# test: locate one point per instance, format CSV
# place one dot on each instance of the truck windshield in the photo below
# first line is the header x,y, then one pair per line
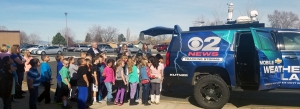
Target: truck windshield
x,y
291,41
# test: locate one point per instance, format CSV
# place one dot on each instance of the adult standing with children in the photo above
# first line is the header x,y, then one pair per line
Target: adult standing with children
x,y
20,64
146,50
125,49
94,50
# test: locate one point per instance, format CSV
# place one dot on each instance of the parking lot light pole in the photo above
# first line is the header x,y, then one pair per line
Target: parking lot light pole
x,y
67,29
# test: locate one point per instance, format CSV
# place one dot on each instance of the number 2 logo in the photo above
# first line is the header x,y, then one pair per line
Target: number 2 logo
x,y
196,43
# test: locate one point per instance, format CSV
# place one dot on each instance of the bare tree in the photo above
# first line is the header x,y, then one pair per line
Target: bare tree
x,y
3,28
68,33
96,33
110,34
283,19
34,38
24,38
128,34
161,38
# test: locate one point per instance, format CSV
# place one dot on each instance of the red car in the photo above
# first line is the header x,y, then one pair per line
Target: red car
x,y
163,48
154,47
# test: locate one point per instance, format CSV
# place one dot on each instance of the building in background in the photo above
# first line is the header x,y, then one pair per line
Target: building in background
x,y
10,37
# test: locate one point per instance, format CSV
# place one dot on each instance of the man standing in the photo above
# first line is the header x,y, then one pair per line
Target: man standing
x,y
94,50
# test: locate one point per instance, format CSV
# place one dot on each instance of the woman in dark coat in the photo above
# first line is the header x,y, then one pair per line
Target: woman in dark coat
x,y
6,83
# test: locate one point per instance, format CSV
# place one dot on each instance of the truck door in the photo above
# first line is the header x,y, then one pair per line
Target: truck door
x,y
269,57
290,49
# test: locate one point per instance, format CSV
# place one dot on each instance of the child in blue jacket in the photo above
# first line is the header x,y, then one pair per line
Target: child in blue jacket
x,y
45,79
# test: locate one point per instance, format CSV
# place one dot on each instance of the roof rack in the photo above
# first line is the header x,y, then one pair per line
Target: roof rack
x,y
233,26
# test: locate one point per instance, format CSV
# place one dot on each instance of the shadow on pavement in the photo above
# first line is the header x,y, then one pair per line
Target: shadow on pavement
x,y
240,99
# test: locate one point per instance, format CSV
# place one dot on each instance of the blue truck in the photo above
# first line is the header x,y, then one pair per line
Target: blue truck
x,y
223,58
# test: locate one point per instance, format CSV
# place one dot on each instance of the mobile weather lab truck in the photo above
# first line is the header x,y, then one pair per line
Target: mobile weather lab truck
x,y
241,54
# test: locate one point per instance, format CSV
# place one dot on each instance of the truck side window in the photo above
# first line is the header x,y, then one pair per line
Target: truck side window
x,y
266,40
291,41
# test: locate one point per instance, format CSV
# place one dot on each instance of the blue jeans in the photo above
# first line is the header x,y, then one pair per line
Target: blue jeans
x,y
58,92
82,97
138,91
101,86
146,90
33,97
109,90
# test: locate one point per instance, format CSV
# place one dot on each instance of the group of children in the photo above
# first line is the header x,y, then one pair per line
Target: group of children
x,y
91,78
80,82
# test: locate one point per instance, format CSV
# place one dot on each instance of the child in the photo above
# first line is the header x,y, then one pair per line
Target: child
x,y
126,53
109,75
95,72
59,65
138,94
90,79
145,79
33,81
156,71
73,75
83,55
125,68
6,82
104,57
133,79
89,58
65,84
161,60
82,83
101,84
27,57
45,79
120,82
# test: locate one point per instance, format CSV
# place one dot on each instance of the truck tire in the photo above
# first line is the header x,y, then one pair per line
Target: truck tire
x,y
211,92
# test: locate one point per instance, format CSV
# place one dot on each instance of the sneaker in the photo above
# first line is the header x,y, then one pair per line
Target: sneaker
x,y
120,104
14,100
23,92
60,103
116,103
67,107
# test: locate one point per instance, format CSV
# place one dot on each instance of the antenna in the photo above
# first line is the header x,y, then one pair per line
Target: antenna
x,y
253,15
230,11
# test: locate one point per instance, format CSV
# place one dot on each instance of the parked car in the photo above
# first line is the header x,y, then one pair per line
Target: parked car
x,y
134,49
108,49
25,47
155,46
100,46
163,48
118,49
49,50
72,47
35,48
81,47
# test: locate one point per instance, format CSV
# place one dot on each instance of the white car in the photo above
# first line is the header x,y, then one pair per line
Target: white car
x,y
50,50
34,48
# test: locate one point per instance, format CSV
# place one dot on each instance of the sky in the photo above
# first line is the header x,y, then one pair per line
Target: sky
x,y
46,17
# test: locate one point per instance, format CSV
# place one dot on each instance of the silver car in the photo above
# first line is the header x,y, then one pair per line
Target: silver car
x,y
81,48
33,49
134,49
50,50
108,49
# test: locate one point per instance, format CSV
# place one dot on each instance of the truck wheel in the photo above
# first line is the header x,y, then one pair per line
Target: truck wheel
x,y
211,92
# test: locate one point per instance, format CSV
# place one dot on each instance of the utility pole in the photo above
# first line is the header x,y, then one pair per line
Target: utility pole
x,y
67,37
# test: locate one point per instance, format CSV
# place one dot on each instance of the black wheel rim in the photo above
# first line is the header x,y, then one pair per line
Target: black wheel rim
x,y
211,93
